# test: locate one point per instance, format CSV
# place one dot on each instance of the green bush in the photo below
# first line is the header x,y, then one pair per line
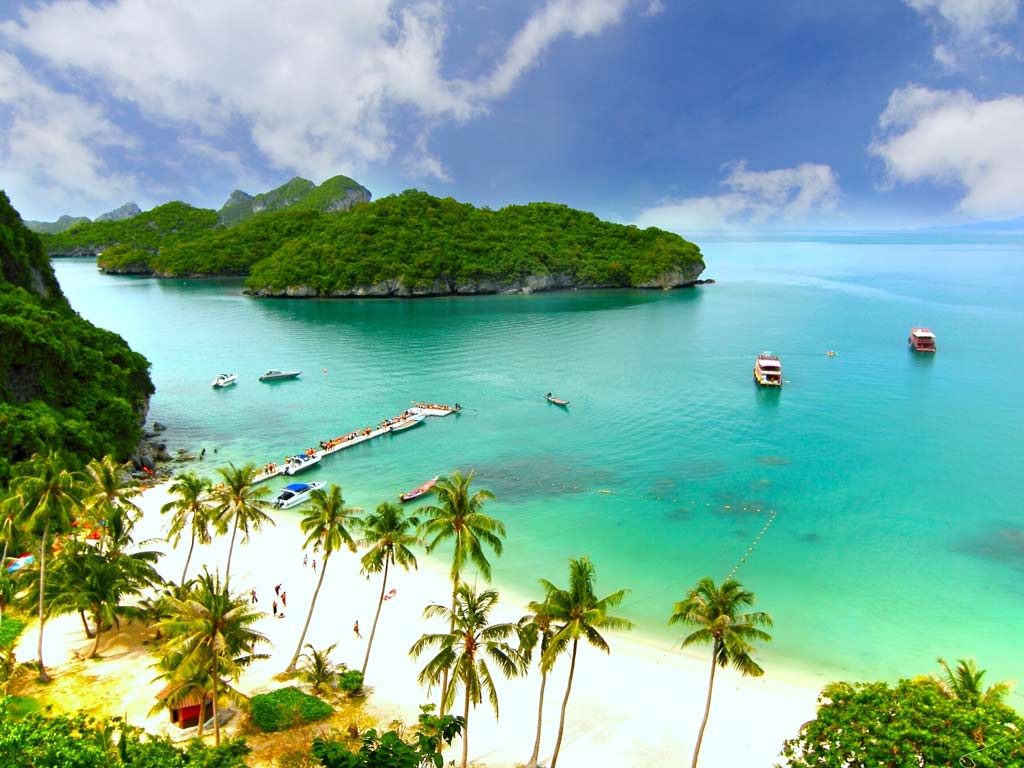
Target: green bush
x,y
286,708
350,680
9,631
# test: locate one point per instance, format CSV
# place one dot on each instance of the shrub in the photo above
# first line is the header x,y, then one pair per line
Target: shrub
x,y
350,681
286,708
9,631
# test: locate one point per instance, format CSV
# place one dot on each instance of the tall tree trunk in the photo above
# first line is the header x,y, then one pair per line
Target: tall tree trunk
x,y
96,645
451,628
465,730
202,714
216,720
305,627
532,763
3,559
707,707
43,677
231,550
189,558
565,702
376,616
85,625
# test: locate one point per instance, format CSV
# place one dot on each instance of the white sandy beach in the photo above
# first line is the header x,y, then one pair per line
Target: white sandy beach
x,y
640,706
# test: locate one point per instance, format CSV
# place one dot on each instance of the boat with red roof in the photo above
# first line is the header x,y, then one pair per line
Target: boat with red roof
x,y
922,340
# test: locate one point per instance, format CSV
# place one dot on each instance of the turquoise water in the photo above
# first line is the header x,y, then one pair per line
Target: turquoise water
x,y
896,479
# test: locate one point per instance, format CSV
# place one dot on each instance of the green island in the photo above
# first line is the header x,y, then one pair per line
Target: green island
x,y
64,383
411,244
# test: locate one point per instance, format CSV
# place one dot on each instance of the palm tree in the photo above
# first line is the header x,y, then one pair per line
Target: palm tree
x,y
108,487
324,526
465,650
191,511
241,503
388,534
537,627
579,614
458,516
210,637
46,498
7,534
318,670
964,683
718,614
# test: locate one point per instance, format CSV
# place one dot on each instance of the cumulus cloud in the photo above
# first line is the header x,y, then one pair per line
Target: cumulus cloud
x,y
966,28
320,86
753,198
950,137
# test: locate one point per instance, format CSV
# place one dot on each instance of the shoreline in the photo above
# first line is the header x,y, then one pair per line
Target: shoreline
x,y
642,704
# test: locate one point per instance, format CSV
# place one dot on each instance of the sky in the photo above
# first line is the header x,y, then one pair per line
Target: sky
x,y
721,116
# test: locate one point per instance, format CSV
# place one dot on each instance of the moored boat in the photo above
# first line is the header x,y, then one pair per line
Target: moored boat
x,y
274,374
768,370
415,493
556,400
436,409
921,340
224,380
410,421
295,493
300,462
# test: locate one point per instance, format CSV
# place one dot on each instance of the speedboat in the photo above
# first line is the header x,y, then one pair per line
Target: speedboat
x,y
556,400
768,370
922,340
411,421
300,462
417,492
224,380
436,409
295,493
273,374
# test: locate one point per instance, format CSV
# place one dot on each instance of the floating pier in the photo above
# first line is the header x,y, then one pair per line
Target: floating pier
x,y
312,456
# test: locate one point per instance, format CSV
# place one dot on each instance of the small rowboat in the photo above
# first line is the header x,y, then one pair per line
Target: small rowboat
x,y
417,492
556,400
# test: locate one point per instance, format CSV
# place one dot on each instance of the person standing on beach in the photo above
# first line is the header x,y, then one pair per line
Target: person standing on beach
x,y
314,566
252,596
277,589
305,560
273,607
284,599
355,628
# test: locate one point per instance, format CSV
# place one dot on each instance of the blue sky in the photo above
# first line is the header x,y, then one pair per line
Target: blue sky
x,y
728,116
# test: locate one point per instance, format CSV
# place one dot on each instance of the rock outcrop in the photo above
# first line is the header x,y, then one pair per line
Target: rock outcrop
x,y
126,211
338,193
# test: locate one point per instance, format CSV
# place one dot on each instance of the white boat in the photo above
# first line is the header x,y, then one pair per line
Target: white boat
x,y
273,374
224,380
295,493
768,370
300,462
435,409
411,421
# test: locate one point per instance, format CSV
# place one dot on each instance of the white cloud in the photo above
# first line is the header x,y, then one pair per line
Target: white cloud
x,y
321,86
755,198
966,28
949,137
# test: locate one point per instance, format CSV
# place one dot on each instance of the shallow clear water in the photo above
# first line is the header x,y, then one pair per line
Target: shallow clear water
x,y
897,478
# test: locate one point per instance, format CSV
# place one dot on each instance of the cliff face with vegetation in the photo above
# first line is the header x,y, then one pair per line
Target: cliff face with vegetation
x,y
64,383
336,194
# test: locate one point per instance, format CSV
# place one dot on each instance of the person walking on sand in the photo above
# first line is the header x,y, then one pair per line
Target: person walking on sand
x,y
355,628
284,599
277,589
252,597
273,607
314,566
305,560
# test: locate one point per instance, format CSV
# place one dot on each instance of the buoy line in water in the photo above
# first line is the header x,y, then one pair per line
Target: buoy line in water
x,y
752,546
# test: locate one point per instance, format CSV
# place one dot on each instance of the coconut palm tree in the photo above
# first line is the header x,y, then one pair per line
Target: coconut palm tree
x,y
536,628
578,613
191,511
210,637
466,649
324,526
458,516
717,612
388,534
239,503
964,683
108,487
317,669
45,498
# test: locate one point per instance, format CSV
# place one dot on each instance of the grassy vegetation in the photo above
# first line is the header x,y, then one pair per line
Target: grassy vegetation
x,y
10,630
285,708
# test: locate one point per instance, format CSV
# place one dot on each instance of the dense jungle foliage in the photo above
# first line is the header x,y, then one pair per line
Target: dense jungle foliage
x,y
64,383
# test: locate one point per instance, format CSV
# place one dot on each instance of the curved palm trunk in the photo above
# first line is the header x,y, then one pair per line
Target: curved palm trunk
x,y
451,628
96,644
216,720
189,558
305,627
532,763
231,550
376,616
42,588
85,625
465,731
202,714
565,703
707,708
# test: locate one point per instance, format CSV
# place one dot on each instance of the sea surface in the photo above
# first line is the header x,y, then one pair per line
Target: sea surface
x,y
894,481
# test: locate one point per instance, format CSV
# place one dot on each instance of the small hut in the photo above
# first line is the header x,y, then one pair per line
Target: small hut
x,y
185,705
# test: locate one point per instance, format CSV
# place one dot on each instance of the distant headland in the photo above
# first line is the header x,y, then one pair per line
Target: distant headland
x,y
301,240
